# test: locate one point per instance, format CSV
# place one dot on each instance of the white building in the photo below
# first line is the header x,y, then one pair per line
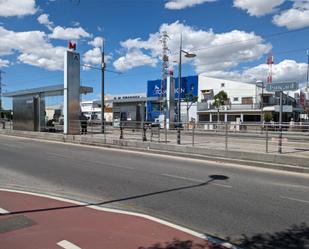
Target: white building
x,y
243,102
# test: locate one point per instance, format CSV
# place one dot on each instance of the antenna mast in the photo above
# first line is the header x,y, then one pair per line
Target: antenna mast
x,y
165,66
270,62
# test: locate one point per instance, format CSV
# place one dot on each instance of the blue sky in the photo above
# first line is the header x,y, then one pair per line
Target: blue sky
x,y
231,38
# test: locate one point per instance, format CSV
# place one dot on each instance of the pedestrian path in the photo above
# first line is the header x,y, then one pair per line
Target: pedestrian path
x,y
31,221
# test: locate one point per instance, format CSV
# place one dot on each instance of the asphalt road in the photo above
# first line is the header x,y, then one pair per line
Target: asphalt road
x,y
245,201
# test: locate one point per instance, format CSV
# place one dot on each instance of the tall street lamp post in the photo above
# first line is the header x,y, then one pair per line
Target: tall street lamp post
x,y
188,55
102,93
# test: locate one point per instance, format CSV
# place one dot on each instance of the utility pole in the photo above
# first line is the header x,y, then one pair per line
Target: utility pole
x,y
307,69
1,84
179,91
102,89
165,66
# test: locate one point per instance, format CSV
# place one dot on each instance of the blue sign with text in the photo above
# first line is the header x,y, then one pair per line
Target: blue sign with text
x,y
157,88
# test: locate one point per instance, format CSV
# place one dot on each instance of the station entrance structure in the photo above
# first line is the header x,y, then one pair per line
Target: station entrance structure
x,y
29,105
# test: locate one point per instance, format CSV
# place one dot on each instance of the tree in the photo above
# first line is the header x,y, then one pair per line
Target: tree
x,y
192,99
268,116
219,100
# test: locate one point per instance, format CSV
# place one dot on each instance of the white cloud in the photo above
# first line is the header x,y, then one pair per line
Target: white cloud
x,y
33,48
17,7
93,56
4,63
97,42
182,4
69,33
294,18
44,19
286,70
133,59
214,51
258,7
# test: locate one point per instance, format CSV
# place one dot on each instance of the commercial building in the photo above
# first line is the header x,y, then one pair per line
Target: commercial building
x,y
245,102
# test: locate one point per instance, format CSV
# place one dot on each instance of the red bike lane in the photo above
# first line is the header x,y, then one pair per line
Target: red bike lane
x,y
30,221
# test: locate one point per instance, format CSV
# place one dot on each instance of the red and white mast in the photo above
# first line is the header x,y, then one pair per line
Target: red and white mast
x,y
270,62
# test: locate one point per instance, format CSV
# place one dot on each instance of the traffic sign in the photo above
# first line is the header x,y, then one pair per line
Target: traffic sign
x,y
281,87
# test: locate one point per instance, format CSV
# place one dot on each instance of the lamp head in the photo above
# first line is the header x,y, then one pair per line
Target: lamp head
x,y
190,55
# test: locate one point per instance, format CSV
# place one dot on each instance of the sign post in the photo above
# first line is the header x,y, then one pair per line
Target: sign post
x,y
280,124
280,87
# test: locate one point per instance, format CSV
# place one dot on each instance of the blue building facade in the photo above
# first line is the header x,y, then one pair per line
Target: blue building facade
x,y
157,89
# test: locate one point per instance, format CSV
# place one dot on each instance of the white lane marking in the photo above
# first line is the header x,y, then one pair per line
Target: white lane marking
x,y
221,185
196,180
294,199
67,245
91,161
183,178
290,185
112,165
3,211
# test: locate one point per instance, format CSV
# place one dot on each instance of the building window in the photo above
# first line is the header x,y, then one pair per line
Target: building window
x,y
222,84
235,99
247,100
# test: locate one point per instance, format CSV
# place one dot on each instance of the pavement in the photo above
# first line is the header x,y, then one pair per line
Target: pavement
x,y
214,198
31,221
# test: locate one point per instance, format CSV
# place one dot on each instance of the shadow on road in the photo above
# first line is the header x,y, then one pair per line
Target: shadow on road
x,y
211,179
295,237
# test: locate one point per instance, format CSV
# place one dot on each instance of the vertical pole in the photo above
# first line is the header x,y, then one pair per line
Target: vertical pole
x,y
280,124
1,72
193,129
102,89
165,131
266,138
308,70
179,90
262,103
226,136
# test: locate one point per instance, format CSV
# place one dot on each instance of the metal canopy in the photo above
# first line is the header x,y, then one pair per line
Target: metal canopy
x,y
54,90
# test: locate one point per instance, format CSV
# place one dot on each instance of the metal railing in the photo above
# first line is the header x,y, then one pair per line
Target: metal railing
x,y
289,138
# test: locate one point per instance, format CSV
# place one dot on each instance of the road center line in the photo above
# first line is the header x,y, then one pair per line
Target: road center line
x,y
183,178
294,199
91,161
3,211
196,180
221,185
67,245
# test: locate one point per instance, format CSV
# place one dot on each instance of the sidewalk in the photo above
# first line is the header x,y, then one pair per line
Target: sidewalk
x,y
37,222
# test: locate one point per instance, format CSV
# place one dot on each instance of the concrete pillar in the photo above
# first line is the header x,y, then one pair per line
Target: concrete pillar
x,y
71,107
210,118
242,117
225,117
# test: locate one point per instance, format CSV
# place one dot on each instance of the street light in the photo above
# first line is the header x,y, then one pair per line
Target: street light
x,y
188,55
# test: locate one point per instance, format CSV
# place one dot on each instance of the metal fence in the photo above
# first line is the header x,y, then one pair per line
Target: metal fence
x,y
255,137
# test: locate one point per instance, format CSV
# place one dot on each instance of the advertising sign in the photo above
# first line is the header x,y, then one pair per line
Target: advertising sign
x,y
155,88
